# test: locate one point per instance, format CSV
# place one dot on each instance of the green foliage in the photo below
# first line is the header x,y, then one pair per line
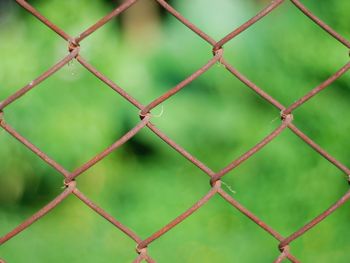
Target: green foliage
x,y
145,184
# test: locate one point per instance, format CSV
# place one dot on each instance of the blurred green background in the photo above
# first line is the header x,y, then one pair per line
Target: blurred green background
x,y
145,184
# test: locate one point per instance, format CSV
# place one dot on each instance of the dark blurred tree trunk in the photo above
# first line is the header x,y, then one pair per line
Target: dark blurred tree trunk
x,y
141,23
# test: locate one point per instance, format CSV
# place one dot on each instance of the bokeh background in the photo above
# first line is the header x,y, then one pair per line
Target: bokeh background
x,y
145,184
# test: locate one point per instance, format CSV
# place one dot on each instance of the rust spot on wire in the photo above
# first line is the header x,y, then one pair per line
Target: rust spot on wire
x,y
1,117
286,114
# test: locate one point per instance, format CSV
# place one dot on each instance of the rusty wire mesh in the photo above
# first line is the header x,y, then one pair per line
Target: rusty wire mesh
x,y
146,116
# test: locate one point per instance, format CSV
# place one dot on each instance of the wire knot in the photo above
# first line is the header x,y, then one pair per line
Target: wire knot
x,y
72,45
286,116
283,247
142,250
217,48
218,51
142,115
68,184
215,181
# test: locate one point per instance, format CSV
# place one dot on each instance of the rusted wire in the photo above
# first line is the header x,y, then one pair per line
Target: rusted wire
x,y
73,43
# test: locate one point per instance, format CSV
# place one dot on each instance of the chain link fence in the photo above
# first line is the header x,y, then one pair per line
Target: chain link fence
x,y
145,114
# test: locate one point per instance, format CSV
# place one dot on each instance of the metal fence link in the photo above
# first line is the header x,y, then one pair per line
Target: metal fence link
x,y
145,115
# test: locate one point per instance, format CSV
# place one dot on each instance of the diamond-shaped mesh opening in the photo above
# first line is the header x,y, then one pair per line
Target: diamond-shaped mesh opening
x,y
329,127
291,58
28,185
154,66
190,243
135,187
317,242
278,179
111,243
79,101
216,97
34,58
